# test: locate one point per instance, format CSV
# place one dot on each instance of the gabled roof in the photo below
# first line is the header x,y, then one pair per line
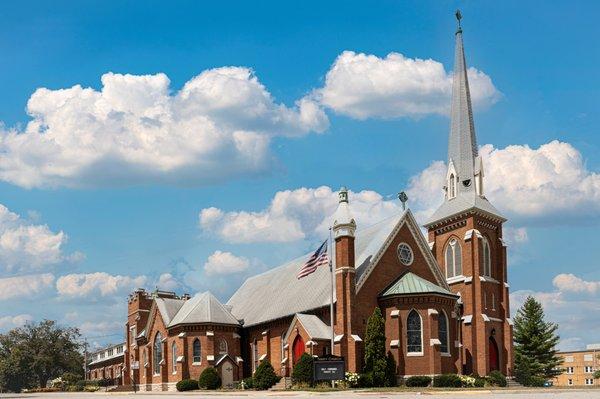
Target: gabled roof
x,y
314,327
410,284
278,293
203,308
168,308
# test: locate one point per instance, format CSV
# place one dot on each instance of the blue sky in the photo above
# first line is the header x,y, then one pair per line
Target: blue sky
x,y
142,216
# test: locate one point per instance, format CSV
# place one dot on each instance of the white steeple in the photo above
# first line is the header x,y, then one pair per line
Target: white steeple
x,y
343,222
464,179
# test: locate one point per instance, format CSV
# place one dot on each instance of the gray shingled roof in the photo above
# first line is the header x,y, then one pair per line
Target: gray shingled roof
x,y
409,284
314,326
168,308
461,203
203,308
278,293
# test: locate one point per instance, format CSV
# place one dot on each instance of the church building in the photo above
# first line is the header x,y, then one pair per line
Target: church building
x,y
444,296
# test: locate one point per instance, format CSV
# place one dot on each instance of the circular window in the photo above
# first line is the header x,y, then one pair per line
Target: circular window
x,y
405,254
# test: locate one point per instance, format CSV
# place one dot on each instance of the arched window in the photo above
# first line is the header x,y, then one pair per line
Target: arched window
x,y
451,186
158,355
443,332
197,351
222,346
174,356
453,259
414,336
486,258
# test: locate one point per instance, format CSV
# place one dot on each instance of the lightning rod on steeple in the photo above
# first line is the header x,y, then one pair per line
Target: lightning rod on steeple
x,y
458,17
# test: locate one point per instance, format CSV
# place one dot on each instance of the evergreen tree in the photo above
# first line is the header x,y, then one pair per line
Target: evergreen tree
x,y
375,359
264,376
535,343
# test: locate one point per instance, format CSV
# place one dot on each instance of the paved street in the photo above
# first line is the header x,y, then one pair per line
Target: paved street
x,y
542,394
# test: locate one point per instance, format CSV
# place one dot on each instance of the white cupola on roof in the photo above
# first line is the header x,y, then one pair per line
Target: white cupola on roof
x,y
343,221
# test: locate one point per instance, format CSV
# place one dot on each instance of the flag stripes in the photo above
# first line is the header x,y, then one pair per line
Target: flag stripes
x,y
319,258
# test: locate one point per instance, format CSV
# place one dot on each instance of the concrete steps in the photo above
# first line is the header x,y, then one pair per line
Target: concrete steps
x,y
282,385
511,383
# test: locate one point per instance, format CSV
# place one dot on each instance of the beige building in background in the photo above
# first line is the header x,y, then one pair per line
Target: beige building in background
x,y
579,367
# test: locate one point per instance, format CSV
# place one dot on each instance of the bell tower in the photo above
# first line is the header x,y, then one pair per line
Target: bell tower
x,y
465,234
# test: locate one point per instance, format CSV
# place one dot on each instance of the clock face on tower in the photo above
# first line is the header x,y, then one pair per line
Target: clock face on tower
x,y
405,254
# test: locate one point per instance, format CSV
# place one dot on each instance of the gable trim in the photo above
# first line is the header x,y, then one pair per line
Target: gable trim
x,y
408,219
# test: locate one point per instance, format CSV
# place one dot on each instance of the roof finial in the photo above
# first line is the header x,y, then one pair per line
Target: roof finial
x,y
458,18
403,198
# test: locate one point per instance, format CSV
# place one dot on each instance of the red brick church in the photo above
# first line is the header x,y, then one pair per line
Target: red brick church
x,y
444,297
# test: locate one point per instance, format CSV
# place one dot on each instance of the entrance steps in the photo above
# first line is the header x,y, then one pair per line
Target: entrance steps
x,y
512,383
282,385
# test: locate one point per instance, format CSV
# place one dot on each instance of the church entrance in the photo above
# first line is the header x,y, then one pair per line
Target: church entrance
x,y
493,358
297,349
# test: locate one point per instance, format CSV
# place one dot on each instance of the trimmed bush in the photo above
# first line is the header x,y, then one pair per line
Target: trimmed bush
x,y
104,382
479,382
497,379
187,385
391,380
209,379
264,376
418,381
303,370
447,381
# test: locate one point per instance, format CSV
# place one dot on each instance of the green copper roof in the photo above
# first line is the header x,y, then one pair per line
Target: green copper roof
x,y
410,283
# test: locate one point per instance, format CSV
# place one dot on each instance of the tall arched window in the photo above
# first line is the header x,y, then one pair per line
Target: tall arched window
x,y
174,356
453,259
443,332
282,346
222,346
414,335
254,356
486,258
197,351
158,355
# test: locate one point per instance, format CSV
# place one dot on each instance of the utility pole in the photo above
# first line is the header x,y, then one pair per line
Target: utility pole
x,y
85,361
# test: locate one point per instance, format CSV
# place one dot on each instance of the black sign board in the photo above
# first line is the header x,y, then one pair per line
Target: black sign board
x,y
329,368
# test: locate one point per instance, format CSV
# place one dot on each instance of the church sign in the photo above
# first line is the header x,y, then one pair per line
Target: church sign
x,y
329,368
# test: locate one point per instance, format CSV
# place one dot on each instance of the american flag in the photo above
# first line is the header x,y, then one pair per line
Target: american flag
x,y
319,258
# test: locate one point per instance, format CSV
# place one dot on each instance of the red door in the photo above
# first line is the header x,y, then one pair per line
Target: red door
x,y
493,355
297,349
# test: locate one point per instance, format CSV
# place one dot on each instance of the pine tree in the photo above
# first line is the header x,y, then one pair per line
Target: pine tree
x,y
375,359
535,344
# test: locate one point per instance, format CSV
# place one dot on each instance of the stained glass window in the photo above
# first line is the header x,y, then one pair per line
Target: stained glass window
x,y
413,333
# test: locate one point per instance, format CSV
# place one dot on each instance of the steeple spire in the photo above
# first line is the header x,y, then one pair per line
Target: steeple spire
x,y
464,180
462,145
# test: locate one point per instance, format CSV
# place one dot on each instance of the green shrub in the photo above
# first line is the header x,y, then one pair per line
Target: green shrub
x,y
391,380
447,381
365,380
497,379
479,382
209,379
264,376
418,381
597,374
303,370
187,385
104,382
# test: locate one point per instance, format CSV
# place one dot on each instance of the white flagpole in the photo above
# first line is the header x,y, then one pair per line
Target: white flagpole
x,y
331,303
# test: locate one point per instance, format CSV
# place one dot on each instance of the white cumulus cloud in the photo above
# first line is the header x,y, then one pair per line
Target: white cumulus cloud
x,y
8,322
294,215
134,130
548,183
99,284
225,263
367,86
27,247
568,282
24,287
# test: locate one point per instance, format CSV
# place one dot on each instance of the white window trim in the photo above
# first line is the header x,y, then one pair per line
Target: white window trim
x,y
452,245
487,266
193,362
